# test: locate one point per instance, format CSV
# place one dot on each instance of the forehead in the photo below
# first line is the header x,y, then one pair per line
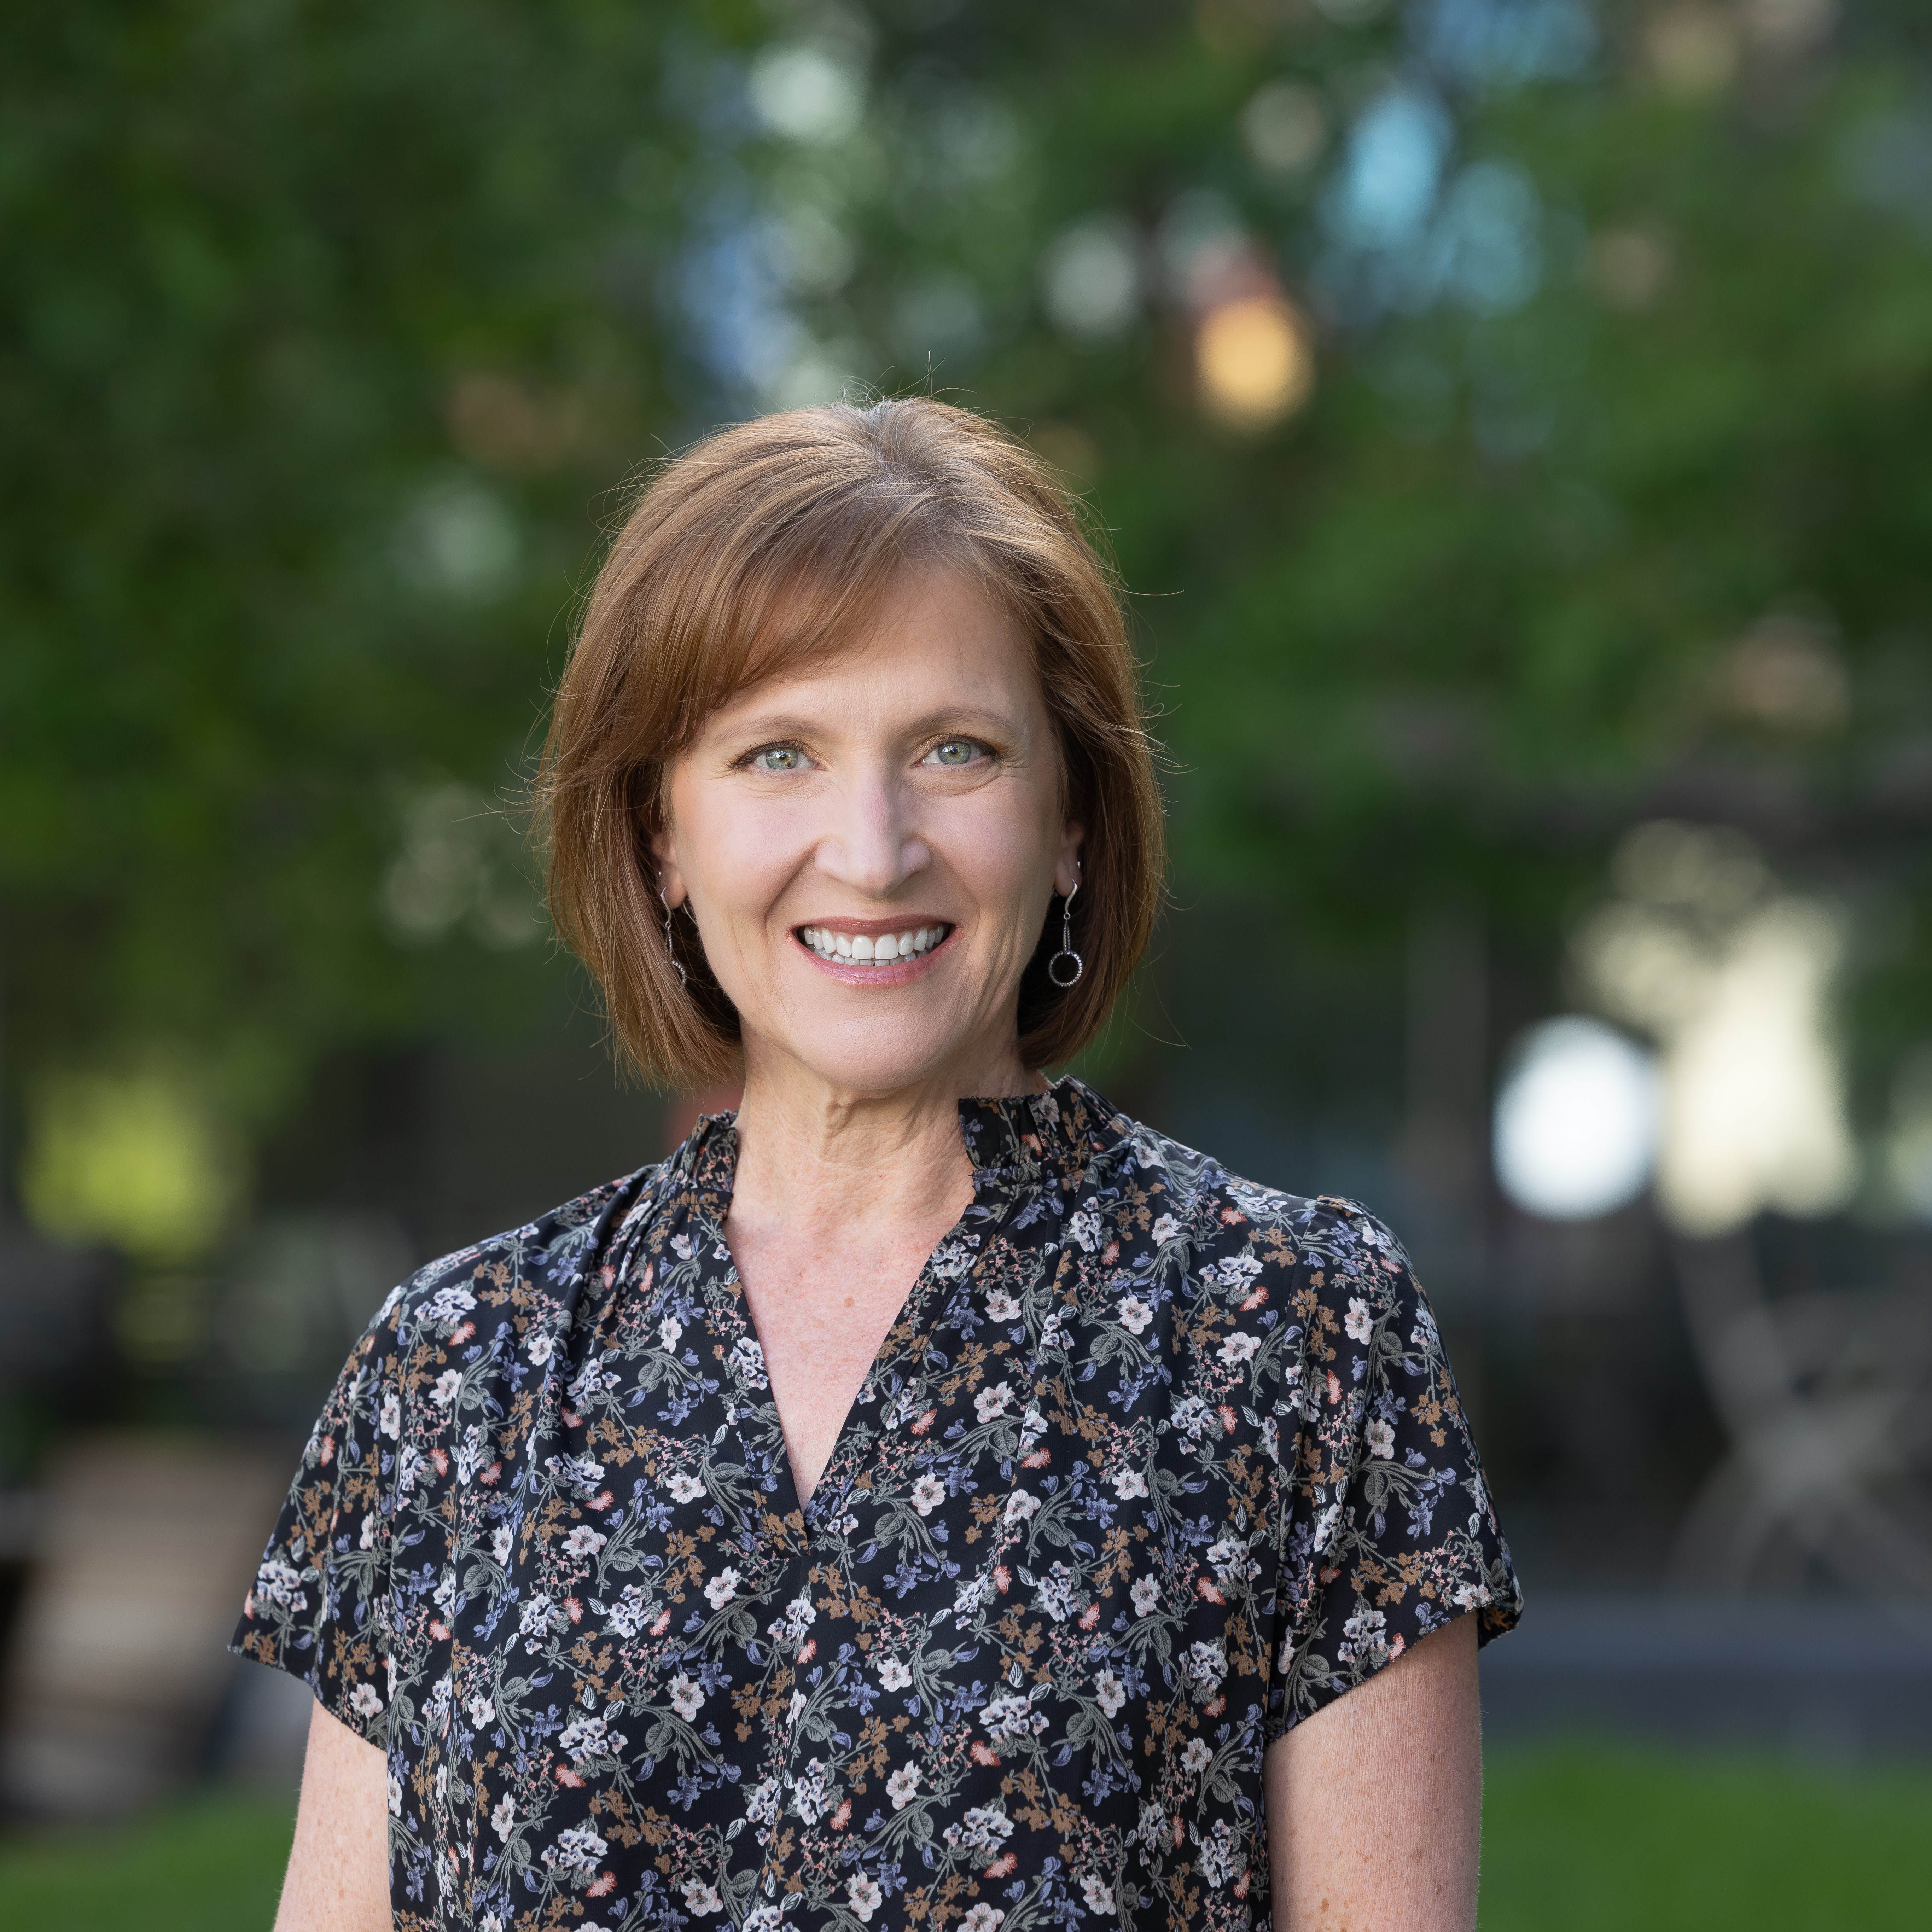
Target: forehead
x,y
936,640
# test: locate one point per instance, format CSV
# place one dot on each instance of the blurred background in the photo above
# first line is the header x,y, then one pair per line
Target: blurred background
x,y
1512,418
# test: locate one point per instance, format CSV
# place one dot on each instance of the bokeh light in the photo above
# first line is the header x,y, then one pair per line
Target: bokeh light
x,y
1575,1130
1254,361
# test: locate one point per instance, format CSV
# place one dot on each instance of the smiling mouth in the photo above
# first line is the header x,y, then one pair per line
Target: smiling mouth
x,y
866,948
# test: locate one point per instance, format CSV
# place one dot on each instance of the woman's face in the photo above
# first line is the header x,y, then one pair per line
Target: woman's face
x,y
870,848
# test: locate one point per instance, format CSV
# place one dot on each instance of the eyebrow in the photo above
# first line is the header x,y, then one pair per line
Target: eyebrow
x,y
964,717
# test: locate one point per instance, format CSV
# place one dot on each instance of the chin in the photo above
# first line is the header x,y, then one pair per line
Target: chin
x,y
875,1059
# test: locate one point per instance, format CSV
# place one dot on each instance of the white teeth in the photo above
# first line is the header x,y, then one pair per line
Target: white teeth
x,y
887,947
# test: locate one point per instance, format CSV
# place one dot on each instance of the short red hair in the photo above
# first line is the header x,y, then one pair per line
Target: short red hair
x,y
769,543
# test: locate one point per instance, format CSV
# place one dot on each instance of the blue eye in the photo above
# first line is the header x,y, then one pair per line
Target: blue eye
x,y
778,758
955,752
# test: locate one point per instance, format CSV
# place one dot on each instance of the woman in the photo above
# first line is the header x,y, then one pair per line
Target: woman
x,y
929,1497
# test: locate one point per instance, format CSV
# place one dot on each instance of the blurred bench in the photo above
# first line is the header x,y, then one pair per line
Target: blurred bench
x,y
117,1667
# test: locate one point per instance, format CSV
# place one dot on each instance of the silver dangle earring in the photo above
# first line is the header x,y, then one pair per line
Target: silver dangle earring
x,y
1064,975
670,944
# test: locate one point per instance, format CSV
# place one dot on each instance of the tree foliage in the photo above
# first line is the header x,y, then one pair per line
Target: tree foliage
x,y
328,336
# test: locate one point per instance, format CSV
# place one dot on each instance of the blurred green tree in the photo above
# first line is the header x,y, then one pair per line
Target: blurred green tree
x,y
1509,413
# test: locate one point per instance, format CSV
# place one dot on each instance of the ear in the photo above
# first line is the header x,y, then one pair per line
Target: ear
x,y
671,886
1067,868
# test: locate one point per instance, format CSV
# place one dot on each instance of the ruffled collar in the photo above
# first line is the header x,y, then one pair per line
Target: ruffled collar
x,y
1024,1139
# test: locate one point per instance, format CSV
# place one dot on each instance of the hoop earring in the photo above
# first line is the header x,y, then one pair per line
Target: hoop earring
x,y
1060,976
670,944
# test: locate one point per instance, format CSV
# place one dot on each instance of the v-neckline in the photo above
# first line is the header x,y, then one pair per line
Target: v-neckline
x,y
715,1209
714,1172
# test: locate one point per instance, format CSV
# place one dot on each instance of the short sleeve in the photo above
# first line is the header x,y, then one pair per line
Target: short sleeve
x,y
1385,1530
318,1607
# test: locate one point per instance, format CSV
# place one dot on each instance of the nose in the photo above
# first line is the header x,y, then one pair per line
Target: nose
x,y
873,847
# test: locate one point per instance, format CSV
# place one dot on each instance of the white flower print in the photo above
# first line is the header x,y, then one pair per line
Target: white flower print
x,y
1021,1506
447,1383
1239,1347
1135,1314
994,1402
588,1737
761,1801
1153,1826
1193,1417
1197,1757
1359,1325
895,1673
1380,1436
928,1493
501,1820
684,1487
540,1347
535,1617
1233,1565
1363,1633
982,1918
1058,1593
686,1698
481,1711
576,1850
1221,1859
366,1701
1166,1229
280,1584
982,1829
701,1899
1096,1894
863,1895
448,1306
371,1528
799,1615
722,1588
1129,1484
1236,1271
669,1330
584,1541
1084,1228
747,1362
628,1612
1008,1718
391,1422
1206,1665
1001,1306
1144,1594
764,1918
1110,1692
396,1803
501,1541
902,1785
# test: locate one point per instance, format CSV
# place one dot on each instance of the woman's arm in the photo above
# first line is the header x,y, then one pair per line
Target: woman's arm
x,y
338,1877
1374,1803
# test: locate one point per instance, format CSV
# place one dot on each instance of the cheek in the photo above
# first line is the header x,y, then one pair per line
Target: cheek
x,y
1005,854
733,855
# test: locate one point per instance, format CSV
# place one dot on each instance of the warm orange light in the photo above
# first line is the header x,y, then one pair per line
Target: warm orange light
x,y
1254,361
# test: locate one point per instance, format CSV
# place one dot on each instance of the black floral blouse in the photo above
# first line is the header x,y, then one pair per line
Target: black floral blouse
x,y
1153,1464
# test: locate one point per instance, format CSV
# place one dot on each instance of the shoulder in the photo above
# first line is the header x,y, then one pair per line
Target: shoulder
x,y
523,1275
1188,1193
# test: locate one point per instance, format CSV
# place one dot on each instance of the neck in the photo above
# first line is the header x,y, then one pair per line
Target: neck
x,y
810,1152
